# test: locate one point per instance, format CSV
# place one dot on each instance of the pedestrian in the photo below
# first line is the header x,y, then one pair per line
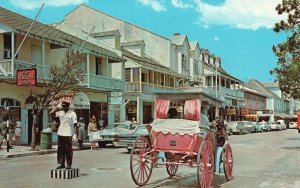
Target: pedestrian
x,y
81,132
18,132
2,133
92,128
133,120
68,122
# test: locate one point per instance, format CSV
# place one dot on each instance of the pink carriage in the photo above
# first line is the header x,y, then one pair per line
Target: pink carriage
x,y
184,142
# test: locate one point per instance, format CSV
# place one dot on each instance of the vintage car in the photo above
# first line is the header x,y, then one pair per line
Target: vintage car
x,y
257,127
281,124
110,134
249,126
292,125
236,127
127,140
266,126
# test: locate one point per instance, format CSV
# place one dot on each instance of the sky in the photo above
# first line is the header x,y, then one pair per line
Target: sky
x,y
240,32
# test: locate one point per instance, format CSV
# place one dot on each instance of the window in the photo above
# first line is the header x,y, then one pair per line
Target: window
x,y
7,46
36,52
136,74
196,67
127,74
183,62
99,70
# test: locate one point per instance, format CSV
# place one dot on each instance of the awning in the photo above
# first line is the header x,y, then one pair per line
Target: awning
x,y
251,116
79,101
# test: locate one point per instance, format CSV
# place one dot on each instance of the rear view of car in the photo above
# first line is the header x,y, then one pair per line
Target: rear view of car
x,y
292,125
236,127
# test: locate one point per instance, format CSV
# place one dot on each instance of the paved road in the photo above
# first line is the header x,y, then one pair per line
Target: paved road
x,y
266,160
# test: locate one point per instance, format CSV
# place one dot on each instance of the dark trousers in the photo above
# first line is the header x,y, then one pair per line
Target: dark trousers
x,y
64,150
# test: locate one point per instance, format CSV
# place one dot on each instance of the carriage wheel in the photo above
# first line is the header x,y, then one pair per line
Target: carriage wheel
x,y
141,165
171,168
205,164
228,162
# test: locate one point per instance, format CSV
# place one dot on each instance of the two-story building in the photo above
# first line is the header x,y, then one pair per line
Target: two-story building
x,y
255,105
278,107
40,48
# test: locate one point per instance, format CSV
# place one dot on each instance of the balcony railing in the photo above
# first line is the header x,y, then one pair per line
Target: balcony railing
x,y
105,83
223,91
146,87
43,72
6,69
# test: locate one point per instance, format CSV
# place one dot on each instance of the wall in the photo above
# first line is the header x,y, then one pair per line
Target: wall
x,y
84,18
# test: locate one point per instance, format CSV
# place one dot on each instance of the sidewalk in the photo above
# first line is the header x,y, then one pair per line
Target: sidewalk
x,y
25,150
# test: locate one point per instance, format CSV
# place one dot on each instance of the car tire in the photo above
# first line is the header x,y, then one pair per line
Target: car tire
x,y
101,145
129,150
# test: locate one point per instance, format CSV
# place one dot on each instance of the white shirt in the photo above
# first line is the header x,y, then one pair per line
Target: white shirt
x,y
67,121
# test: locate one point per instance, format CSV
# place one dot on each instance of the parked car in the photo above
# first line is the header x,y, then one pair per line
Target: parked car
x,y
281,124
292,125
275,126
257,127
236,127
127,140
249,126
110,134
266,126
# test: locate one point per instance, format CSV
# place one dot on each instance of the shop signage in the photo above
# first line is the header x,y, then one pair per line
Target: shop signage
x,y
115,97
244,111
26,77
81,101
230,111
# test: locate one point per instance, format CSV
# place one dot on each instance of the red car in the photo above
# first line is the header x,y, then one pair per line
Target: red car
x,y
298,123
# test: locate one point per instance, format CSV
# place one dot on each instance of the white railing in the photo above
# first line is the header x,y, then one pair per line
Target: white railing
x,y
101,82
5,67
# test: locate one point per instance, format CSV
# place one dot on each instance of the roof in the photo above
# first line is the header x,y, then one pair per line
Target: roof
x,y
270,84
21,24
178,39
254,84
193,45
246,89
149,63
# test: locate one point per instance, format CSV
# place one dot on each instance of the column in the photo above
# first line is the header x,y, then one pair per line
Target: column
x,y
140,79
13,53
88,68
43,60
139,110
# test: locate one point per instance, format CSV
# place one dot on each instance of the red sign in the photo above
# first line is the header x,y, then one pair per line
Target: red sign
x,y
26,77
244,111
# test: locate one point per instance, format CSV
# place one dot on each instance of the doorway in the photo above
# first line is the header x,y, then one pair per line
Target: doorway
x,y
37,130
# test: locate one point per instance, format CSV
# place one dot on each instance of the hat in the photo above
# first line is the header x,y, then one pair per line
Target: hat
x,y
81,118
65,103
93,117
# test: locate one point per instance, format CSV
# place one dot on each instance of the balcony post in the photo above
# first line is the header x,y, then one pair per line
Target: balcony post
x,y
43,58
88,68
13,53
140,79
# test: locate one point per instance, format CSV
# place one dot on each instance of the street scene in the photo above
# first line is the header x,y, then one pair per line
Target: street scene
x,y
149,93
268,159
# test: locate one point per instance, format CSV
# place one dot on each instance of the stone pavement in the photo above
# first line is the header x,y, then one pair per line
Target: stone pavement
x,y
25,150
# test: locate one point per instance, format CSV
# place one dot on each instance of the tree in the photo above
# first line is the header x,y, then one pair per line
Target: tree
x,y
288,52
64,81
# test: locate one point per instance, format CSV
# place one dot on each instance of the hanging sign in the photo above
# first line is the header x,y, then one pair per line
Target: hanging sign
x,y
26,77
115,97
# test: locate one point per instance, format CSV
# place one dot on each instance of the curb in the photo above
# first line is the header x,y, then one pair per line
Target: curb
x,y
31,153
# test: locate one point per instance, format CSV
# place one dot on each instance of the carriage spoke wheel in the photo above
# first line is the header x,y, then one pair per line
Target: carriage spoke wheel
x,y
228,162
205,164
141,165
172,168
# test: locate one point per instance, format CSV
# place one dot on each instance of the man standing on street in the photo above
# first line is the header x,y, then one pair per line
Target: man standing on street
x,y
68,122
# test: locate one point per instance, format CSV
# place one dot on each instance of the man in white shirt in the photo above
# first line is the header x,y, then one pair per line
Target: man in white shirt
x,y
68,121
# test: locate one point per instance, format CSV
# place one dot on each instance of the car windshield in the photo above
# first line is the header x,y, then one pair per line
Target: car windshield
x,y
140,128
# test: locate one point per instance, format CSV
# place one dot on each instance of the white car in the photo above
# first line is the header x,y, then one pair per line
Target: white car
x,y
237,127
282,125
293,125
